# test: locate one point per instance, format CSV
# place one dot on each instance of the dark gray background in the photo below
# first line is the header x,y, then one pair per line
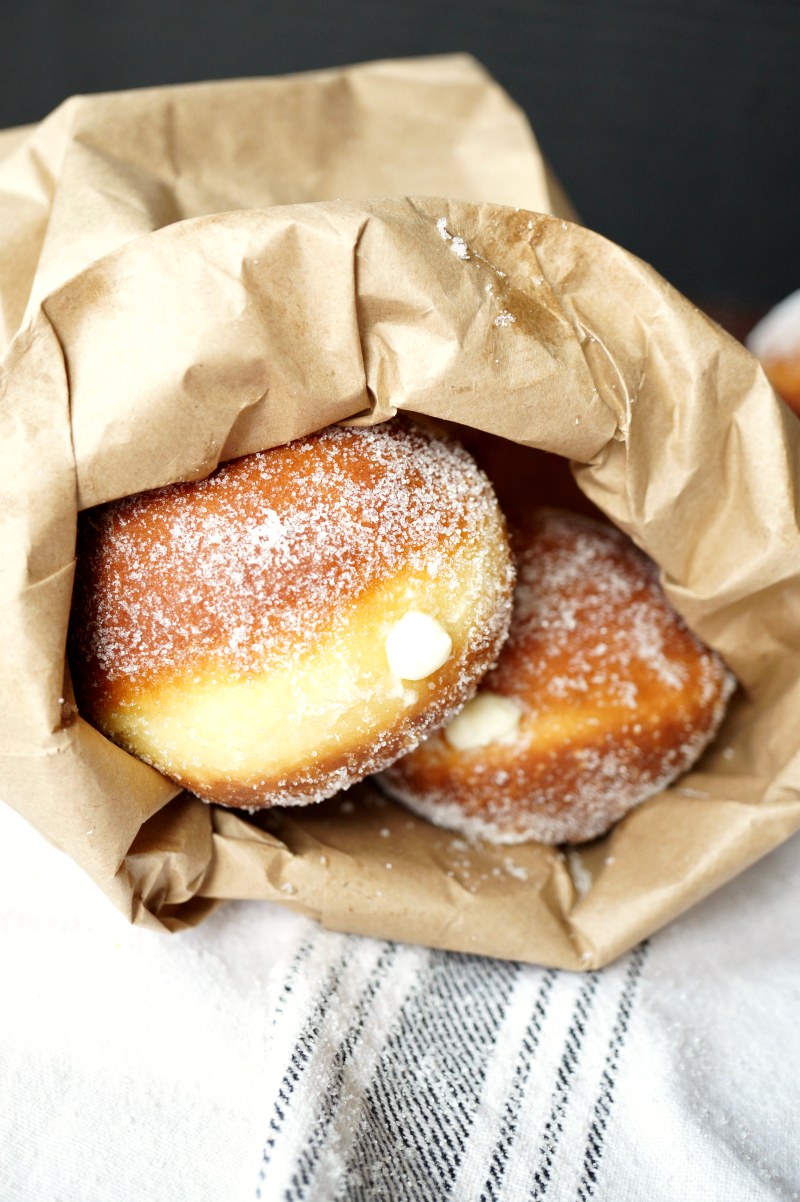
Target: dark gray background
x,y
673,124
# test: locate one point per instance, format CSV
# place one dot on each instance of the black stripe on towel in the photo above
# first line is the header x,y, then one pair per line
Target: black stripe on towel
x,y
335,1085
510,1115
602,1107
302,1052
563,1086
418,1112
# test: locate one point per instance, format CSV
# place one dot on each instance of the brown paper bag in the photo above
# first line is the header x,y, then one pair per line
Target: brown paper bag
x,y
160,316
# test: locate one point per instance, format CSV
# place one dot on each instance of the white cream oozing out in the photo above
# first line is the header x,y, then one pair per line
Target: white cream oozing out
x,y
417,646
487,718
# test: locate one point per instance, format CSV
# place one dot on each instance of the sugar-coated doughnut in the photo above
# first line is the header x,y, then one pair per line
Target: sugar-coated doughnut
x,y
599,699
298,619
784,376
776,342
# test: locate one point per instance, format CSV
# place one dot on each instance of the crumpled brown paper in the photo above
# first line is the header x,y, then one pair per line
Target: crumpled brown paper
x,y
159,316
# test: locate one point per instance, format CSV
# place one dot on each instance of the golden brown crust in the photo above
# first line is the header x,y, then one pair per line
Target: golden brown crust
x,y
784,376
231,631
617,697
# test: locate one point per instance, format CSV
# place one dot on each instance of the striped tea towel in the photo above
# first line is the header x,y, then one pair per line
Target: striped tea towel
x,y
409,1075
142,1068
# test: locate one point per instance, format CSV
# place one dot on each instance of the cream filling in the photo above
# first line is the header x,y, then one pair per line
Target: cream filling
x,y
487,718
417,646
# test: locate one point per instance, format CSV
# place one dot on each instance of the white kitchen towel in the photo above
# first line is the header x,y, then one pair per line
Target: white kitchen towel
x,y
259,1054
410,1075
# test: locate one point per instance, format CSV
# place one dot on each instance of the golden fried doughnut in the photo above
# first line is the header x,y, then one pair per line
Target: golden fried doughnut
x,y
776,342
784,376
296,620
599,699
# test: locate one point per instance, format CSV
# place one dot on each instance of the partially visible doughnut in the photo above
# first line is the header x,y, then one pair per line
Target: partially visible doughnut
x,y
776,342
296,620
600,698
784,376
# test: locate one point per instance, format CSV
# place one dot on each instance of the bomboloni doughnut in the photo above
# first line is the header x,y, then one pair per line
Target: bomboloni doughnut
x,y
296,620
775,340
599,699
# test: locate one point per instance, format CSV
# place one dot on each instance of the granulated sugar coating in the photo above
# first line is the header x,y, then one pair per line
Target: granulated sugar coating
x,y
617,697
232,631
